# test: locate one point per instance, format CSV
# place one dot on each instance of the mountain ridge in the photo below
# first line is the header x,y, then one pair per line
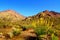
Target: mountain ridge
x,y
45,13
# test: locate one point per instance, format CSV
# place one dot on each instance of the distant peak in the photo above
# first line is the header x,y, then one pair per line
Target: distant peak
x,y
46,11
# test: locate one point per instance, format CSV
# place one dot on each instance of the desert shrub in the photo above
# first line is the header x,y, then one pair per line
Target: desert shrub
x,y
54,37
16,31
50,31
40,30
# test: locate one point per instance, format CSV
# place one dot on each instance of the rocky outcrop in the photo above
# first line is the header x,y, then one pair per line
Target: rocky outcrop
x,y
28,34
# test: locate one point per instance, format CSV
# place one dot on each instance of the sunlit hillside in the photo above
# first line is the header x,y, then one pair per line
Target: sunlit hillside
x,y
42,26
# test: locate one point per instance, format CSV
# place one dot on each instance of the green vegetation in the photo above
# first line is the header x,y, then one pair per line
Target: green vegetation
x,y
44,26
54,37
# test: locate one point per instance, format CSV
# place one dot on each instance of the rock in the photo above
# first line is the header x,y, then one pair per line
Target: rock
x,y
28,34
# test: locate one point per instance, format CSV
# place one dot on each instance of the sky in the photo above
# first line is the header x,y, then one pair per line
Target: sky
x,y
30,7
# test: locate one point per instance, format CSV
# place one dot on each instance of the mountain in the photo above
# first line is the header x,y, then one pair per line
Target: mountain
x,y
10,14
51,13
44,23
45,15
43,26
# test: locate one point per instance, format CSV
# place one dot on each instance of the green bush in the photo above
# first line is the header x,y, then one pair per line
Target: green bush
x,y
50,31
54,37
40,30
16,31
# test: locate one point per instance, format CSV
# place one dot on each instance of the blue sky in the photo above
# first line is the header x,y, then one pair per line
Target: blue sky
x,y
30,7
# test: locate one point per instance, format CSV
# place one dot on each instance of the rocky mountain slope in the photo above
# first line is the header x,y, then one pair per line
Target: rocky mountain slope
x,y
42,26
44,23
11,15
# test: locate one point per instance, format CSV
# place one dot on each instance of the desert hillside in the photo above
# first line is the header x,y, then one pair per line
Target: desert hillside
x,y
42,26
11,15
